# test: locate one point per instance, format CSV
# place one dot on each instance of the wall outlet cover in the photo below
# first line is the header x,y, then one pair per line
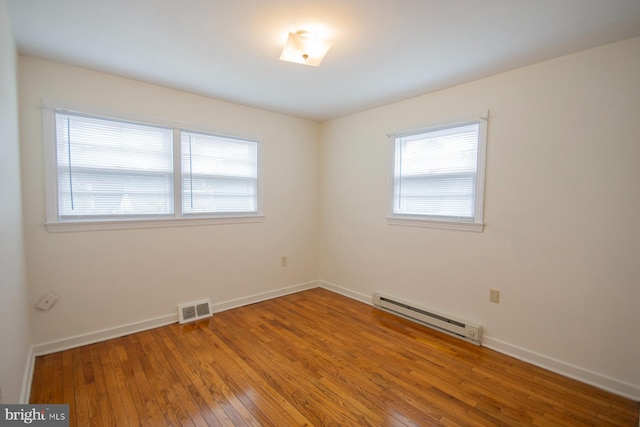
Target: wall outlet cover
x,y
494,296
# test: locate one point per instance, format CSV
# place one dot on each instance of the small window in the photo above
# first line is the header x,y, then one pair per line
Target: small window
x,y
219,174
438,176
111,173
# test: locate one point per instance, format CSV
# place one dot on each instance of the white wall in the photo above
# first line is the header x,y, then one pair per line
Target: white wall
x,y
562,204
14,322
110,278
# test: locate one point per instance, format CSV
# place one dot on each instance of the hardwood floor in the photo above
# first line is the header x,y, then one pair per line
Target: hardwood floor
x,y
313,358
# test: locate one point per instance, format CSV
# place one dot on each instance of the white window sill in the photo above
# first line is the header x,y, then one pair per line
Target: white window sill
x,y
63,227
431,223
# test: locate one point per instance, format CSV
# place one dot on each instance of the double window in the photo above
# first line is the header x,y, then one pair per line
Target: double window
x,y
108,171
438,176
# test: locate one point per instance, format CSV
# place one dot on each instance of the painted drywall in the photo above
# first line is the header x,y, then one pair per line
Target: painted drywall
x,y
105,279
15,334
561,241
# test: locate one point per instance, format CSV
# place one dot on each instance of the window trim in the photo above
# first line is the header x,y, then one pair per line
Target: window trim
x,y
53,221
477,225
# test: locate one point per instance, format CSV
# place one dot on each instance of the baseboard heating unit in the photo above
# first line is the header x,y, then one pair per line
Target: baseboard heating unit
x,y
441,322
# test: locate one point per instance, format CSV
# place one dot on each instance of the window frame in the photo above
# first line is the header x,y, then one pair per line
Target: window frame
x,y
54,222
417,220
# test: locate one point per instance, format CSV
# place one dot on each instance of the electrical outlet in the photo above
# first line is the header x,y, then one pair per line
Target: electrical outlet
x,y
283,261
494,296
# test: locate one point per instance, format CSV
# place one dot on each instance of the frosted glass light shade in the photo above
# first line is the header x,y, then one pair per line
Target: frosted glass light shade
x,y
304,48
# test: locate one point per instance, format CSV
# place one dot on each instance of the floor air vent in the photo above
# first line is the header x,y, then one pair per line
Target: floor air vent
x,y
194,310
452,326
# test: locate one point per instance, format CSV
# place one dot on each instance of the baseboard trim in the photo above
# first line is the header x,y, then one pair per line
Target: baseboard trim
x,y
265,296
103,335
586,376
25,392
144,325
346,292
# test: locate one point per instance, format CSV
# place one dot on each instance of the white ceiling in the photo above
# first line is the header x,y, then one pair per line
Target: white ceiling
x,y
383,51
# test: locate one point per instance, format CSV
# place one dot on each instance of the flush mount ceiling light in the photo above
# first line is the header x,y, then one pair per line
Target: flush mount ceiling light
x,y
303,47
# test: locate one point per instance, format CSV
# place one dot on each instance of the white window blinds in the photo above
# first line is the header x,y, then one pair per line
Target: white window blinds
x,y
108,168
436,172
219,174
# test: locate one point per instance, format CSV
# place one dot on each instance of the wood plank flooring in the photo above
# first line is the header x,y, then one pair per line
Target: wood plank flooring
x,y
314,358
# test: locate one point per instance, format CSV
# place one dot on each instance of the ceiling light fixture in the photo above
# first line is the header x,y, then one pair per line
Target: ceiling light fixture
x,y
303,47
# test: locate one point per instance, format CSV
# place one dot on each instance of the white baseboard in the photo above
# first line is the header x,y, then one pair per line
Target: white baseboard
x,y
25,392
239,302
586,376
346,292
103,335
